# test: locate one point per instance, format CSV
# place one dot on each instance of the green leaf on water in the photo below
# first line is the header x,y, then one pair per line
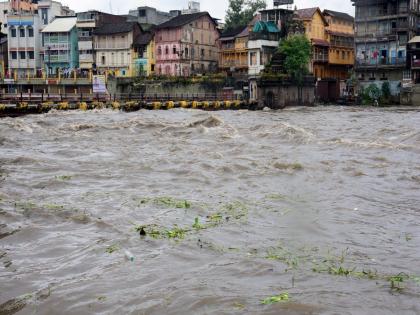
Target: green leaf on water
x,y
282,298
111,249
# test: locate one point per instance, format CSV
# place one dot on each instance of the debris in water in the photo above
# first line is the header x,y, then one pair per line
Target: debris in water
x,y
284,297
129,255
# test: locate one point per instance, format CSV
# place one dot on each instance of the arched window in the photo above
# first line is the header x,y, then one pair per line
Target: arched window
x,y
166,50
174,50
159,51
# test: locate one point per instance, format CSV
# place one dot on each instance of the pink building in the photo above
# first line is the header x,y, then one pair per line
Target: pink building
x,y
187,45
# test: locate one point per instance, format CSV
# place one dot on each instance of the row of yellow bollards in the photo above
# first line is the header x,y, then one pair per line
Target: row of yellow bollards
x,y
23,107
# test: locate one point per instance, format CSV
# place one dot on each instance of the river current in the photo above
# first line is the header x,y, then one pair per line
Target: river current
x,y
315,208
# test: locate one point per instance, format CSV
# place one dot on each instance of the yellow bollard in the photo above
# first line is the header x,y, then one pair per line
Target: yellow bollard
x,y
194,104
216,105
63,106
2,107
183,104
83,106
156,105
116,105
170,104
227,104
206,105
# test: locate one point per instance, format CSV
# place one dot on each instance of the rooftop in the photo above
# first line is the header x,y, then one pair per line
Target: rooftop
x,y
61,25
339,15
115,28
182,20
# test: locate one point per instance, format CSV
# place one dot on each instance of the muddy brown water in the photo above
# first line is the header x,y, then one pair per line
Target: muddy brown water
x,y
320,203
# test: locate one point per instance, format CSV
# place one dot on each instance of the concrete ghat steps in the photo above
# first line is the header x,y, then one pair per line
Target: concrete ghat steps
x,y
26,108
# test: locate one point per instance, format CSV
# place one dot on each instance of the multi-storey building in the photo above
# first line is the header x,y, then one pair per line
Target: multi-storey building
x,y
383,30
266,31
340,35
25,22
187,45
86,24
113,44
60,46
315,30
144,54
233,45
4,10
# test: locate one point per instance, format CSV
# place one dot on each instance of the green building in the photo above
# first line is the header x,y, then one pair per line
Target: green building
x,y
60,46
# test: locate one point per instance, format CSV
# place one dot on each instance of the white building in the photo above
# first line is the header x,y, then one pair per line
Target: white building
x,y
24,35
4,10
193,7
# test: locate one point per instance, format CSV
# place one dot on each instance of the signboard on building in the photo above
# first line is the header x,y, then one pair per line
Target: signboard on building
x,y
99,84
282,2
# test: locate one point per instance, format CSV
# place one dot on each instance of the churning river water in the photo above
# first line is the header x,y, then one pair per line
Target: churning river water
x,y
316,207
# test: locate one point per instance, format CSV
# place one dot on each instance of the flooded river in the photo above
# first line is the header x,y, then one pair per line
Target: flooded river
x,y
302,211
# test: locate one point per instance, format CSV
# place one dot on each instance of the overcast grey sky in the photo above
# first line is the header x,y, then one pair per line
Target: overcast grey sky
x,y
216,7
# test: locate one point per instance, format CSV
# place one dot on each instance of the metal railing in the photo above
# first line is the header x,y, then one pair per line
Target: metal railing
x,y
381,62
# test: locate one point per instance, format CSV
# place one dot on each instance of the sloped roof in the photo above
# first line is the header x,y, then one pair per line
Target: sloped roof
x,y
232,32
143,39
115,28
183,19
61,25
307,14
339,15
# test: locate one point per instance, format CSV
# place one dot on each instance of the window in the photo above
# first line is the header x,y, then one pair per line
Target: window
x,y
174,50
202,53
30,32
21,32
31,55
103,60
13,32
22,55
159,51
142,13
44,16
14,55
253,59
166,50
186,52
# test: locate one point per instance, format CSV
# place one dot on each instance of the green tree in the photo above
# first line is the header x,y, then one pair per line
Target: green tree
x,y
297,53
241,12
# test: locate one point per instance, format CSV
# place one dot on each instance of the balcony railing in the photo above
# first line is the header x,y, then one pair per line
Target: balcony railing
x,y
233,63
56,58
320,57
381,62
264,36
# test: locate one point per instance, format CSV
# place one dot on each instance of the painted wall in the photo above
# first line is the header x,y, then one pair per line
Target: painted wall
x,y
189,49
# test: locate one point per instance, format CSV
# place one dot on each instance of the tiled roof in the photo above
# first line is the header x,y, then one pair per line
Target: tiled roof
x,y
232,32
339,15
306,14
115,28
182,20
143,39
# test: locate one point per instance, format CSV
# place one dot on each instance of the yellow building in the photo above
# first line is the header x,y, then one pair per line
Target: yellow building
x,y
332,36
143,55
340,32
233,56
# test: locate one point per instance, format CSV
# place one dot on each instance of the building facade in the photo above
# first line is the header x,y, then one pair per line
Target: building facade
x,y
143,53
383,30
60,46
87,22
340,35
187,45
149,15
114,44
233,46
25,22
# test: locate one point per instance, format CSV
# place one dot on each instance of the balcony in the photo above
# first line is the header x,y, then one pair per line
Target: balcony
x,y
382,63
86,58
56,58
264,36
234,64
56,46
320,57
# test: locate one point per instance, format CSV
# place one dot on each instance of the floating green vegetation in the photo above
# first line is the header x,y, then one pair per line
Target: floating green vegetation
x,y
167,202
408,237
276,197
284,297
101,298
235,210
197,225
238,306
111,249
64,177
397,281
284,256
158,232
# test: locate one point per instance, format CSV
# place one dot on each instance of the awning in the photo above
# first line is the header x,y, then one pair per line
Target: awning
x,y
320,42
415,40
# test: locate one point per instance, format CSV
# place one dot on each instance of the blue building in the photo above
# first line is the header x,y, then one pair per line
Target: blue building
x,y
60,46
